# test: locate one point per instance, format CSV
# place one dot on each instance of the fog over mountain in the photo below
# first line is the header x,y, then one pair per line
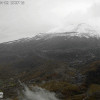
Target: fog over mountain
x,y
33,17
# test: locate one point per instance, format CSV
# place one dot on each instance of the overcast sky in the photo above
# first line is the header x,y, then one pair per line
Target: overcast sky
x,y
35,16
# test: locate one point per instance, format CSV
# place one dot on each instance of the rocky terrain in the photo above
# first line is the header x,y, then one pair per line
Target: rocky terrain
x,y
66,63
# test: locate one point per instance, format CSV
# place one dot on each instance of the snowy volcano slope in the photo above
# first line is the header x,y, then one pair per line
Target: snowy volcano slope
x,y
80,30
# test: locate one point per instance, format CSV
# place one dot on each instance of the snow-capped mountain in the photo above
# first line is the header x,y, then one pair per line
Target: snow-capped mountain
x,y
86,30
80,45
80,30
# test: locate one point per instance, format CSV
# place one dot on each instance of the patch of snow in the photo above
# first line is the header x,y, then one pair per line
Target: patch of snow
x,y
81,30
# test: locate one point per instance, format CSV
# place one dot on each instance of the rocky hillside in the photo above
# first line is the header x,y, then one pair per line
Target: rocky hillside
x,y
67,63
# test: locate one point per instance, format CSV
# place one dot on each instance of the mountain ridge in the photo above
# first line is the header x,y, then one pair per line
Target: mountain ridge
x,y
80,30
